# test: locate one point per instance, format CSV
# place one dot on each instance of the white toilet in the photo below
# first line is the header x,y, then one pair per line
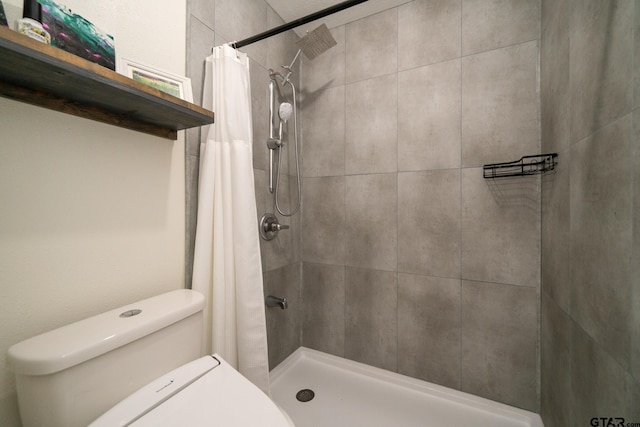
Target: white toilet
x,y
137,365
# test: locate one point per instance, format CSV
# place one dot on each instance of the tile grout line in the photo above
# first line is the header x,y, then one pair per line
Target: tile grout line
x,y
344,199
397,192
460,211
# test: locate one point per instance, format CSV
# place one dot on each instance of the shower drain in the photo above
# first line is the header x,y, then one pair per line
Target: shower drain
x,y
305,395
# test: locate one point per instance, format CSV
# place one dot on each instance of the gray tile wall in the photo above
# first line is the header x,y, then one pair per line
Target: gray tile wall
x,y
407,251
211,23
590,317
411,260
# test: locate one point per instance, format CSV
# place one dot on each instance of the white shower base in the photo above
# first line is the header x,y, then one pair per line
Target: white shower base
x,y
351,394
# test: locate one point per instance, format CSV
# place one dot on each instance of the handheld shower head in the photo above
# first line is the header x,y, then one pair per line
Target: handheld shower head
x,y
285,111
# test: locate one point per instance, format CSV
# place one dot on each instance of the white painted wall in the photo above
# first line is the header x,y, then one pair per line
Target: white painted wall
x,y
91,215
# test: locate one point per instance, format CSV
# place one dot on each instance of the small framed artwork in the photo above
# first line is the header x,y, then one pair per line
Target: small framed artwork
x,y
173,84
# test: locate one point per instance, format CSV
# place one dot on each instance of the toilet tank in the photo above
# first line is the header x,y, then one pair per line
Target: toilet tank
x,y
71,375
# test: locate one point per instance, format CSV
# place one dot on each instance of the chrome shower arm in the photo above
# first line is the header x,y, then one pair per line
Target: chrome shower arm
x,y
289,68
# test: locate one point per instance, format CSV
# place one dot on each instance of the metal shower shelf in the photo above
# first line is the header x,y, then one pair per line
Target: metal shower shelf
x,y
527,165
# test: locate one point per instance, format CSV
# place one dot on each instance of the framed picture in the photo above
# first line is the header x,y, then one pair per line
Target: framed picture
x,y
175,85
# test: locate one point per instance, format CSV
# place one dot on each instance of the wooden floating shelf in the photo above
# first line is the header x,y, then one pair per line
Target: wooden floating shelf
x,y
49,77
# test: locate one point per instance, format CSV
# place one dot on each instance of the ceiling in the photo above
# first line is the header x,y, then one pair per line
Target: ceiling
x,y
290,10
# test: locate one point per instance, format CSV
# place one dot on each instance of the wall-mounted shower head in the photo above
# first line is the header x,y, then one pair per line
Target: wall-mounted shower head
x,y
316,42
312,44
285,111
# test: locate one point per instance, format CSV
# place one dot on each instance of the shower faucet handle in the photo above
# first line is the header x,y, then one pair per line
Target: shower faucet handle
x,y
274,227
270,226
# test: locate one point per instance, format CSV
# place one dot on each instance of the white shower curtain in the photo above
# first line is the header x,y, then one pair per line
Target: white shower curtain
x,y
227,267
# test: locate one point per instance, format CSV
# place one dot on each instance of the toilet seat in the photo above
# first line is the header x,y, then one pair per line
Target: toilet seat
x,y
205,392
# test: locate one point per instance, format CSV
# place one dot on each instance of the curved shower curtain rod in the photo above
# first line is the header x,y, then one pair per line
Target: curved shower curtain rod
x,y
296,23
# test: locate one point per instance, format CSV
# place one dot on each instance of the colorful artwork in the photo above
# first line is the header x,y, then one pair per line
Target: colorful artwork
x,y
173,84
3,17
73,33
165,85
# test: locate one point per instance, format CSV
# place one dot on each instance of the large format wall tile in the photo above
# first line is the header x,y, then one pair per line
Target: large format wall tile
x,y
598,205
500,229
429,222
204,10
285,158
324,220
260,182
283,326
549,10
323,132
434,26
555,364
491,24
237,19
323,304
599,384
409,102
281,48
371,317
372,126
201,40
555,114
260,115
601,64
285,248
372,46
192,169
555,254
429,329
601,237
500,107
429,117
371,221
500,343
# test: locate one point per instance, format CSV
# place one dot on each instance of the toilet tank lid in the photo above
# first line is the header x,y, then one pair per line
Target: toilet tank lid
x,y
83,340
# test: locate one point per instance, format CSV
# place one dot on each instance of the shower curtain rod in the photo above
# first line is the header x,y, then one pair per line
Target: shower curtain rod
x,y
296,23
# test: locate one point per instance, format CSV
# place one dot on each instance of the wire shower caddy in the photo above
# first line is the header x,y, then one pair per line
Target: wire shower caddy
x,y
527,165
